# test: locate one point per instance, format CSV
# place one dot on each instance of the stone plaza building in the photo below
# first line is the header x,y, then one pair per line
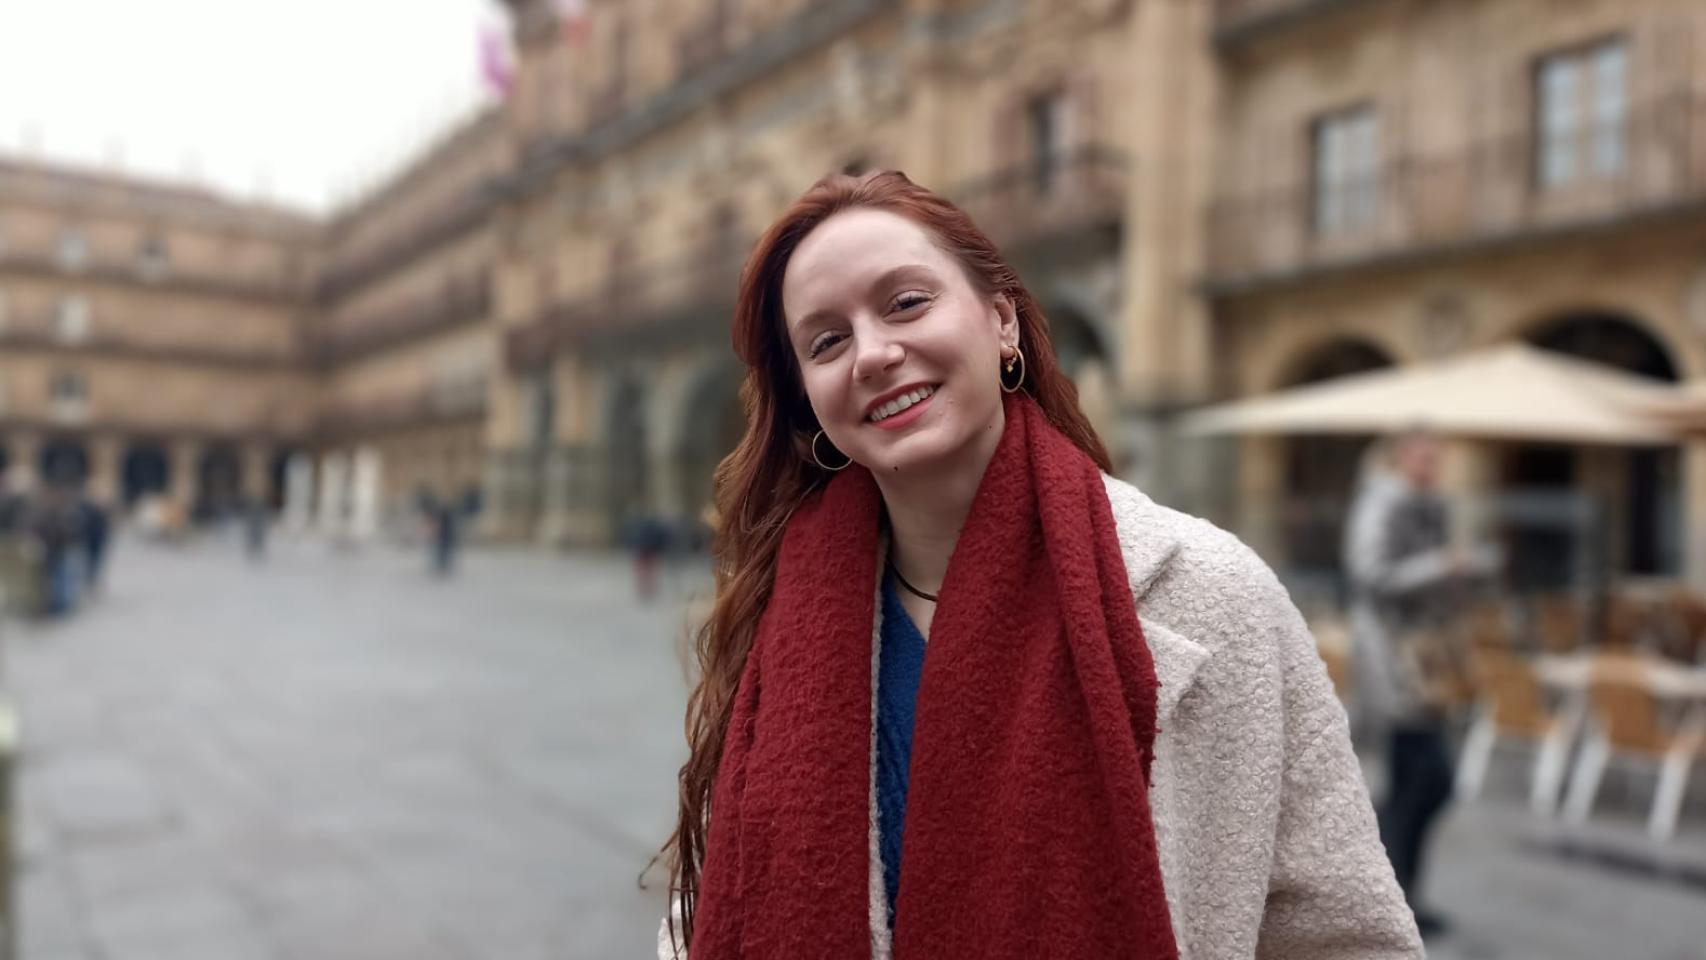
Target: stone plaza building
x,y
1212,199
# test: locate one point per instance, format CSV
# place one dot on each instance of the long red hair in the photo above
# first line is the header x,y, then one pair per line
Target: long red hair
x,y
771,471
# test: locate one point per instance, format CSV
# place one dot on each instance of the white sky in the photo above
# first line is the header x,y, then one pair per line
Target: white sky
x,y
305,102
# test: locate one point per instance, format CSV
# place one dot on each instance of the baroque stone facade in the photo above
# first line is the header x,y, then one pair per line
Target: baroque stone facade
x,y
1211,198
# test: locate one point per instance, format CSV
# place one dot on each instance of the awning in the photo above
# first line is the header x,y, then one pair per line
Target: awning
x,y
1509,392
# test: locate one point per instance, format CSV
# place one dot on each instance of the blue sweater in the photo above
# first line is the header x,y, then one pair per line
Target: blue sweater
x,y
900,665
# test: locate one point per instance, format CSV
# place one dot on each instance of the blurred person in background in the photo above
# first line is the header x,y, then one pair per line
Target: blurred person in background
x,y
54,525
1407,585
93,527
1058,778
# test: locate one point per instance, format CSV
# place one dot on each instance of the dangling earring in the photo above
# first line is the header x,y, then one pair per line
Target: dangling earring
x,y
1017,359
819,460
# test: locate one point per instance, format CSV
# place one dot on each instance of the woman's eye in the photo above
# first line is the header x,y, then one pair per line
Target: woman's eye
x,y
823,343
907,301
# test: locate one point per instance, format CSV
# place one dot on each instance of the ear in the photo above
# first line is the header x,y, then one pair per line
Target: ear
x,y
1006,318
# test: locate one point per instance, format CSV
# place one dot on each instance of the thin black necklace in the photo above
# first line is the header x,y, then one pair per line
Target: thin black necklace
x,y
909,587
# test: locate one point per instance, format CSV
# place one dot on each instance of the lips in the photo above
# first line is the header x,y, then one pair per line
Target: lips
x,y
898,402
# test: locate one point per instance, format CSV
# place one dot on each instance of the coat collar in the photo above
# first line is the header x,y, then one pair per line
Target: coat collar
x,y
1151,539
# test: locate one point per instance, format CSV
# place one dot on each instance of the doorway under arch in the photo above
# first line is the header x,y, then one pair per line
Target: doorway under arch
x,y
1636,491
1321,471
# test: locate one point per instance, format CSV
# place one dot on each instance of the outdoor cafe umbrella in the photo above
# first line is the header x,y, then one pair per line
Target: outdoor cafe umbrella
x,y
1507,392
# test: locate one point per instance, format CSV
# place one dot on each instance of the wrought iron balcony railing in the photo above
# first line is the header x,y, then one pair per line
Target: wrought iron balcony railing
x,y
443,225
459,302
1238,20
1050,196
41,261
1517,188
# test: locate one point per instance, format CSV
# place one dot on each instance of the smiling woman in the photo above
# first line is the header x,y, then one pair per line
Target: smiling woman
x,y
1121,742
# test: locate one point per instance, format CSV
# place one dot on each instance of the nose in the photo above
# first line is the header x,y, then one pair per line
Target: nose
x,y
874,353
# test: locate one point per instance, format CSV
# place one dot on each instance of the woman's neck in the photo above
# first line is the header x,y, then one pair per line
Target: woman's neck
x,y
927,511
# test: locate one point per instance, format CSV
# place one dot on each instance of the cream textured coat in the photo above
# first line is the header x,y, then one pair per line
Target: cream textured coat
x,y
1267,839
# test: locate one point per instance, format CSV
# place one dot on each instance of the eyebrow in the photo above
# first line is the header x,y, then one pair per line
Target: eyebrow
x,y
886,278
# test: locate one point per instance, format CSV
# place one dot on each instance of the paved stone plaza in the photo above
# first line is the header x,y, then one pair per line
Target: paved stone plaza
x,y
334,756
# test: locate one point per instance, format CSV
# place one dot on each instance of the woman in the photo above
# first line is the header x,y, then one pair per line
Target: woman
x,y
1069,773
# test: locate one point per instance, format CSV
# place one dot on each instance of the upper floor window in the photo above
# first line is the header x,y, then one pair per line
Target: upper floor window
x,y
151,256
1582,114
73,248
1345,169
71,323
1046,117
67,390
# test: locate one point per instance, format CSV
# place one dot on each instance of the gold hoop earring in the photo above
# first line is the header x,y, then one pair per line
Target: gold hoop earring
x,y
819,460
1017,359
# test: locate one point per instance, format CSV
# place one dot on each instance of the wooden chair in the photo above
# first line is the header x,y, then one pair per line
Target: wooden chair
x,y
1513,707
1628,725
1559,624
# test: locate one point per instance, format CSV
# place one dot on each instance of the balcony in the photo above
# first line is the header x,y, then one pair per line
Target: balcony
x,y
445,404
616,123
1236,21
1078,192
1649,168
460,301
441,226
44,262
678,295
37,335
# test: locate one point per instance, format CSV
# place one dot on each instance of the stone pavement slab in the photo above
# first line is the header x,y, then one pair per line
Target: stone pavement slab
x,y
333,755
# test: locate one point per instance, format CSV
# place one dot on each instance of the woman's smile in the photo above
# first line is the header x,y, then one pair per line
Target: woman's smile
x,y
901,410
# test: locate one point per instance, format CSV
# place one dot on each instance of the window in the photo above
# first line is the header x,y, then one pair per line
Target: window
x,y
1046,115
1345,170
68,391
151,257
71,324
1582,114
73,248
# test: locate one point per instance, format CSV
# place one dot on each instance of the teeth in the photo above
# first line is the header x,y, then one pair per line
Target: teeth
x,y
900,403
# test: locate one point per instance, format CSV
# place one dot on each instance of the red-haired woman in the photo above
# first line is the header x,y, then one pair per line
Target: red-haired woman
x,y
1121,742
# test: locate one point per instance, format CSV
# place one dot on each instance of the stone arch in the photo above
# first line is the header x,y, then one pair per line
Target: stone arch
x,y
146,470
1635,492
1084,358
1320,471
64,463
219,481
712,422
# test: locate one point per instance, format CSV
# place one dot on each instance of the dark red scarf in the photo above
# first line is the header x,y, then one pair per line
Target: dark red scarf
x,y
1028,829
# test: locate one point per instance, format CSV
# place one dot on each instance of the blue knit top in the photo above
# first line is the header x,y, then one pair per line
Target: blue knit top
x,y
899,667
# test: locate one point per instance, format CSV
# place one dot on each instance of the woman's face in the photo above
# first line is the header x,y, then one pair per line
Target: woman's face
x,y
879,317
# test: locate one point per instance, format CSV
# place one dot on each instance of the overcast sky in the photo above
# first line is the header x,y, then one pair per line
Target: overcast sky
x,y
301,101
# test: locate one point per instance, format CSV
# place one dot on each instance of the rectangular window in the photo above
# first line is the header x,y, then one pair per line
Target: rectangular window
x,y
68,392
1046,115
1581,109
73,248
151,257
1345,170
71,324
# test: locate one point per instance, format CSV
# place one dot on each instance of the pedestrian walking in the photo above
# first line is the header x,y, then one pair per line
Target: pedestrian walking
x,y
1122,741
93,526
1407,585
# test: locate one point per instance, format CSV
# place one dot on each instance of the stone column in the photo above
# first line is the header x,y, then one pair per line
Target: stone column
x,y
298,492
1261,490
25,458
105,463
1693,509
184,479
333,492
366,485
